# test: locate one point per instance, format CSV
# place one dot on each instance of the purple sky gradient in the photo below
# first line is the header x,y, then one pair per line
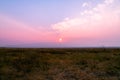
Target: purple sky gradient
x,y
59,23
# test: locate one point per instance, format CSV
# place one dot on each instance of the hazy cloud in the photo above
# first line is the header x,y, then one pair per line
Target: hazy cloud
x,y
100,21
12,29
85,4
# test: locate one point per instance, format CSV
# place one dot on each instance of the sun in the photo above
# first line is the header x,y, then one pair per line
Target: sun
x,y
60,39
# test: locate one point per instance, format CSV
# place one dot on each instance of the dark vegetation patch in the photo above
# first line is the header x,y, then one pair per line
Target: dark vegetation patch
x,y
60,64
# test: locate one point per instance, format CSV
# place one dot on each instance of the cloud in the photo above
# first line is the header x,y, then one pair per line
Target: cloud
x,y
85,4
15,30
109,1
101,21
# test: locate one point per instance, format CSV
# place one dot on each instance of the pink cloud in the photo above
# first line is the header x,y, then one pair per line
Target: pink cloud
x,y
101,22
12,29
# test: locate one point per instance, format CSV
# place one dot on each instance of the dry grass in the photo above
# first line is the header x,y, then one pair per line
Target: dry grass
x,y
60,64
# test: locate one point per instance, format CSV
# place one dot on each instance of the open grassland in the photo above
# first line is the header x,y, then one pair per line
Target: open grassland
x,y
60,64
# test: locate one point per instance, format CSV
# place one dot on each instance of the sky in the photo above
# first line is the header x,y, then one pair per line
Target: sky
x,y
59,23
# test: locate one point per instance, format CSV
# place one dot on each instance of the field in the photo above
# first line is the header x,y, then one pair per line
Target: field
x,y
60,64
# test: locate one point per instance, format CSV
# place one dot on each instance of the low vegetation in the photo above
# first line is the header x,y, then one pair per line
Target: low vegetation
x,y
60,64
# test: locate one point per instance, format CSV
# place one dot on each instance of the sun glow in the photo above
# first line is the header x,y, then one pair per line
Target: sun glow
x,y
60,39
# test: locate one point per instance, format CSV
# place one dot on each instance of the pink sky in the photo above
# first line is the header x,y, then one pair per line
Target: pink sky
x,y
97,24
